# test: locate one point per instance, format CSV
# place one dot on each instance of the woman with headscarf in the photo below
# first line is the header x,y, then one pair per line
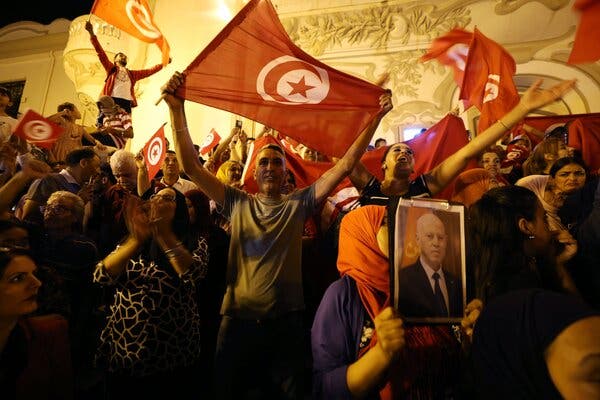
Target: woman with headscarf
x,y
359,344
151,341
566,176
230,173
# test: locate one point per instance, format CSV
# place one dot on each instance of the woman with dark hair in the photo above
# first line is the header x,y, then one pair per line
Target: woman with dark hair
x,y
566,176
35,361
151,341
511,220
534,338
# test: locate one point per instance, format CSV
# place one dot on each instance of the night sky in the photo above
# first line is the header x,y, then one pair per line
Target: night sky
x,y
43,12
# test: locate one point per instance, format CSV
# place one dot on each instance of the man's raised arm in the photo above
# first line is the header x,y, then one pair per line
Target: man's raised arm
x,y
330,179
184,147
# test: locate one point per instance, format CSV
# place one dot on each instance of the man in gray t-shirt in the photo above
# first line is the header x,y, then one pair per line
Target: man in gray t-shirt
x,y
261,338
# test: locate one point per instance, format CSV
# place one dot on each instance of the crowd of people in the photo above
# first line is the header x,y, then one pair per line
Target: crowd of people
x,y
117,286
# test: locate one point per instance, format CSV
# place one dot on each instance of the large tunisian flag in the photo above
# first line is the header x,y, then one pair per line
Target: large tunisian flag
x,y
252,68
135,18
488,83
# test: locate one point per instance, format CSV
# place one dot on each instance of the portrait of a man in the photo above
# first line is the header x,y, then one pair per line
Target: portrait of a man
x,y
426,288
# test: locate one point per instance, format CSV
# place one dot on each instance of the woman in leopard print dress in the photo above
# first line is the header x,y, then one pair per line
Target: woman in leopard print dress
x,y
151,342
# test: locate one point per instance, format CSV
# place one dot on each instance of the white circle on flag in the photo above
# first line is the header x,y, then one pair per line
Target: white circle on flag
x,y
208,139
155,150
37,130
293,85
140,18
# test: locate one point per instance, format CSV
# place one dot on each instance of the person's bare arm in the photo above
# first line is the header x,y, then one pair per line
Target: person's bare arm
x,y
360,176
143,180
221,147
370,371
184,147
330,179
438,178
30,207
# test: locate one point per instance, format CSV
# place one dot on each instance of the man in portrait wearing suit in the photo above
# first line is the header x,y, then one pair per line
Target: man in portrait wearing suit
x,y
426,289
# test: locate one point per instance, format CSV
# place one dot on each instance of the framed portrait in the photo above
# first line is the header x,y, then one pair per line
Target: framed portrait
x,y
427,259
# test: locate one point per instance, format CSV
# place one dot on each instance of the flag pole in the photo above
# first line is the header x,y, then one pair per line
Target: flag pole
x,y
161,98
91,11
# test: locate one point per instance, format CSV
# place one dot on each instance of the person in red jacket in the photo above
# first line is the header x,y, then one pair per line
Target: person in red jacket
x,y
120,81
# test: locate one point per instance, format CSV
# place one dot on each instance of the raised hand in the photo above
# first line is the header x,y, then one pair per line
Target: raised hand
x,y
534,97
140,162
169,88
385,101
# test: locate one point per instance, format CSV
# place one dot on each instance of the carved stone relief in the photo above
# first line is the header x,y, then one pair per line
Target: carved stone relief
x,y
393,36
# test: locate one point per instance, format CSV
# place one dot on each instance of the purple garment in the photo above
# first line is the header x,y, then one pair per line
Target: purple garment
x,y
335,337
510,338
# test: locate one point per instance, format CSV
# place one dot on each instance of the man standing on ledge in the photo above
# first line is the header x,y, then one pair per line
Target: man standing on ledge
x,y
425,288
120,81
261,346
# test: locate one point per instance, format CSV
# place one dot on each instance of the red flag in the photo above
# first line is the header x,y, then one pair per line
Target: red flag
x,y
209,142
252,68
584,135
488,81
452,50
135,18
155,152
436,144
586,48
37,130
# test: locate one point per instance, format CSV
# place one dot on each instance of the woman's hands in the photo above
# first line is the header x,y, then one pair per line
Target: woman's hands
x,y
390,333
137,219
568,244
161,214
472,312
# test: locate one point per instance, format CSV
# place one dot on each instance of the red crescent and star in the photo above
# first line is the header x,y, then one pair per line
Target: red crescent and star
x,y
299,87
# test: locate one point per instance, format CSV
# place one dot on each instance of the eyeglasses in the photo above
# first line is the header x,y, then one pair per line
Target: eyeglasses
x,y
165,197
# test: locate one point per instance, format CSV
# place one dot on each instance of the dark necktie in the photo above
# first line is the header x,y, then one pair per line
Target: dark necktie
x,y
437,291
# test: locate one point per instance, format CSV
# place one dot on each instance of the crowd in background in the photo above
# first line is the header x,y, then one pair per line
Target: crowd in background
x,y
114,285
